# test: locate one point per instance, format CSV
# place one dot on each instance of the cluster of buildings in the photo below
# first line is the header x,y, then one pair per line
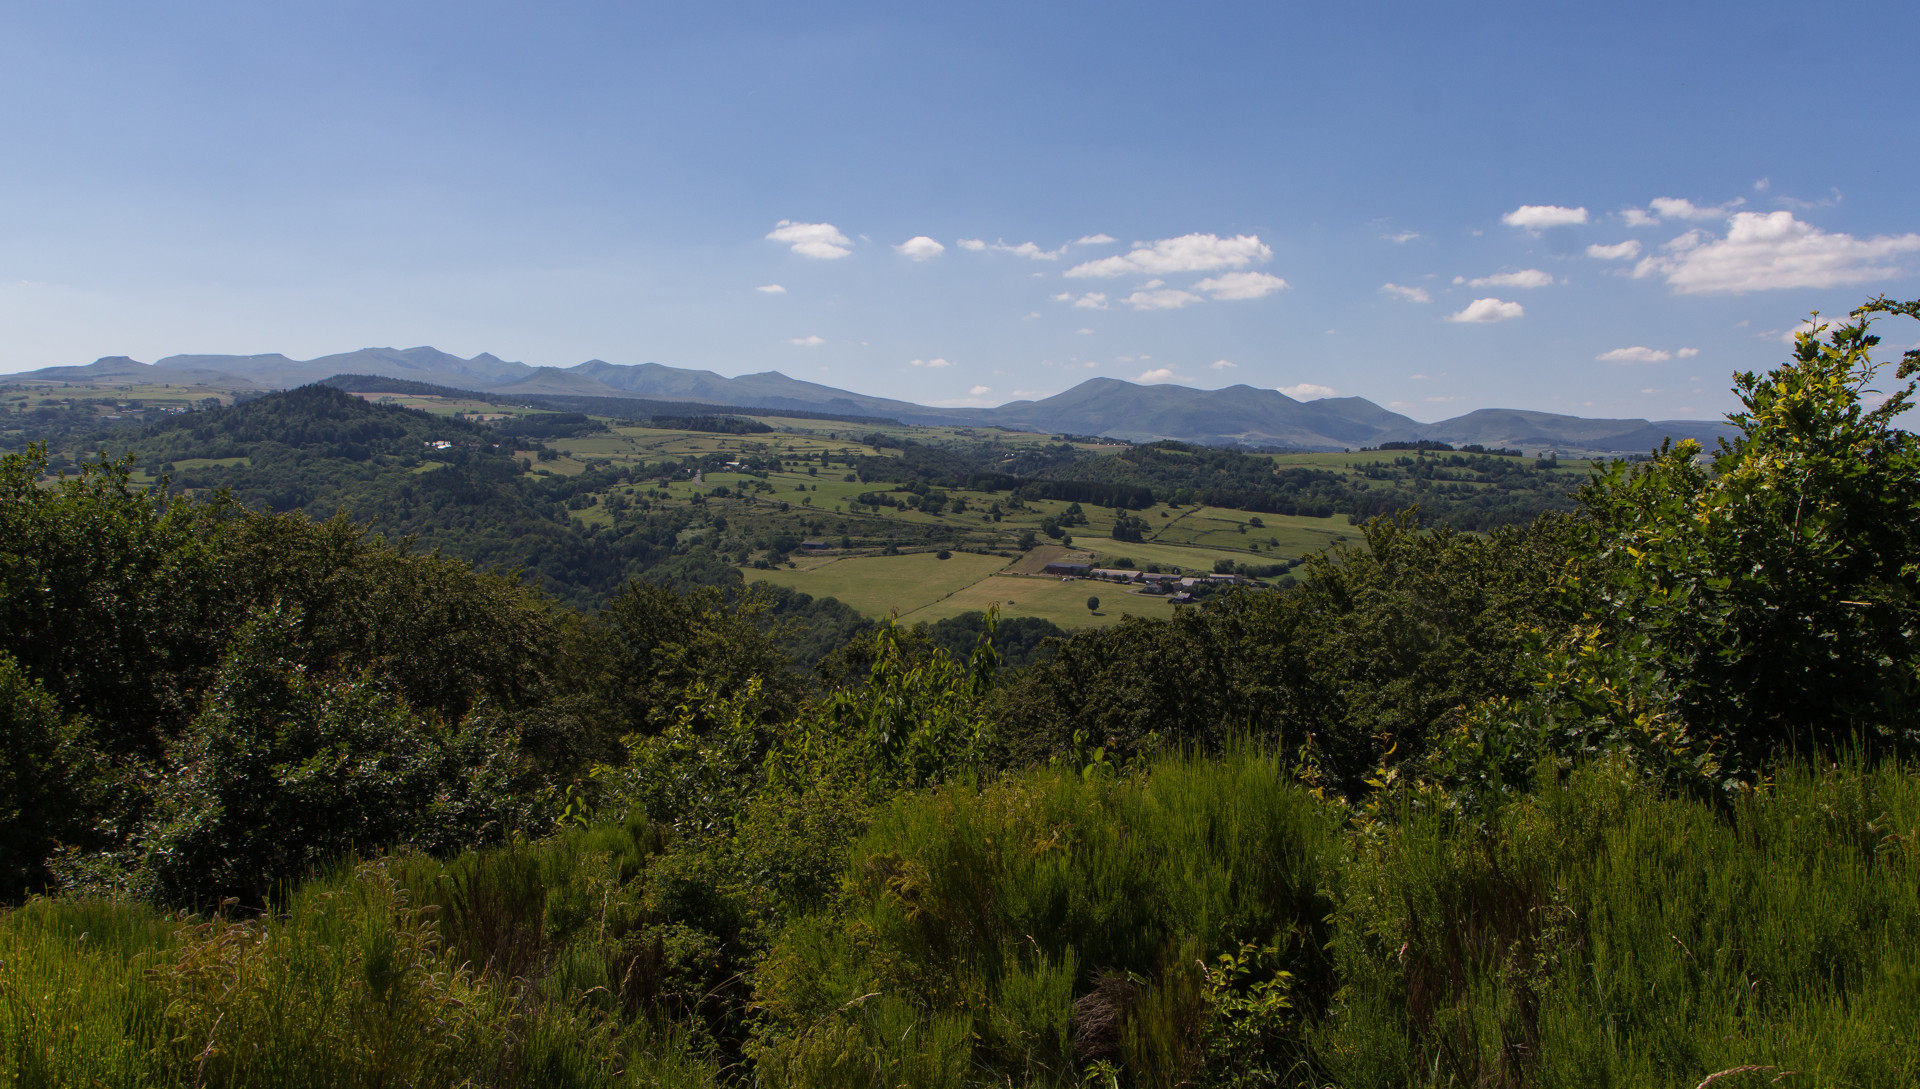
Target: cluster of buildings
x,y
1181,586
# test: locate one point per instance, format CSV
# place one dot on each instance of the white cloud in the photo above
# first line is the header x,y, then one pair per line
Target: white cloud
x,y
1241,285
808,342
1635,217
931,364
1092,300
1771,251
1025,249
1635,354
821,240
1817,327
1411,294
1688,353
1536,217
920,247
1402,238
772,289
1530,277
979,391
1083,332
1095,240
1677,208
1157,374
1483,311
1619,251
1166,298
1188,253
1222,365
1306,391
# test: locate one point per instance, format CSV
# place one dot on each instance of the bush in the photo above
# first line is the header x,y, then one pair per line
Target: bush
x,y
1047,922
1597,932
283,771
51,781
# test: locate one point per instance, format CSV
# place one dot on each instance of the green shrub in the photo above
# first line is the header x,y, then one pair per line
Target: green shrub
x,y
1043,923
1597,932
282,771
51,781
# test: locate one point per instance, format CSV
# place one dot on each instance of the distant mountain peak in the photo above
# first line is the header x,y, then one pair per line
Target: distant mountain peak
x,y
1236,414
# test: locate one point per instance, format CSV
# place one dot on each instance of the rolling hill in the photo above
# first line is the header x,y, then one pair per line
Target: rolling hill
x,y
1235,415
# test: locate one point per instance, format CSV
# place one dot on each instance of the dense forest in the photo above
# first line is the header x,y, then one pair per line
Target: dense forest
x,y
1440,484
1622,794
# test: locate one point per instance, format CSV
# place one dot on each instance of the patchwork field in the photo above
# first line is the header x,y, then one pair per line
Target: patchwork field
x,y
1063,601
876,585
921,587
1233,531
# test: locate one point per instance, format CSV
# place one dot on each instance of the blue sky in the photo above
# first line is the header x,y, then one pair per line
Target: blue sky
x,y
1646,195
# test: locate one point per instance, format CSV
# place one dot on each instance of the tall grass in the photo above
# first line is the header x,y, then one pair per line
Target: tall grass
x,y
492,970
1600,934
1051,926
1028,929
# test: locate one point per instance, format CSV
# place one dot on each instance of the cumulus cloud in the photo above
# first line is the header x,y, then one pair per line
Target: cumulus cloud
x,y
1306,391
1485,311
772,289
1222,365
1770,251
1619,251
979,391
920,247
1160,298
1529,277
1677,208
820,240
808,342
1635,354
1411,294
1083,332
1535,217
1402,238
1025,249
1241,285
1092,300
1687,353
1636,217
1157,374
1095,240
1187,253
931,364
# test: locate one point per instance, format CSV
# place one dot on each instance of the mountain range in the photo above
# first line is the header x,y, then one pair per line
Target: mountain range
x,y
1240,414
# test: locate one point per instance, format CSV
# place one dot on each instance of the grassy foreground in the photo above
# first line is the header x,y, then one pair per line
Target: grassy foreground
x,y
1199,922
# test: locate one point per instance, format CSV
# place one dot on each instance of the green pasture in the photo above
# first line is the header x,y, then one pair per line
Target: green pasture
x,y
1062,601
444,406
876,585
1283,536
1108,551
160,393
